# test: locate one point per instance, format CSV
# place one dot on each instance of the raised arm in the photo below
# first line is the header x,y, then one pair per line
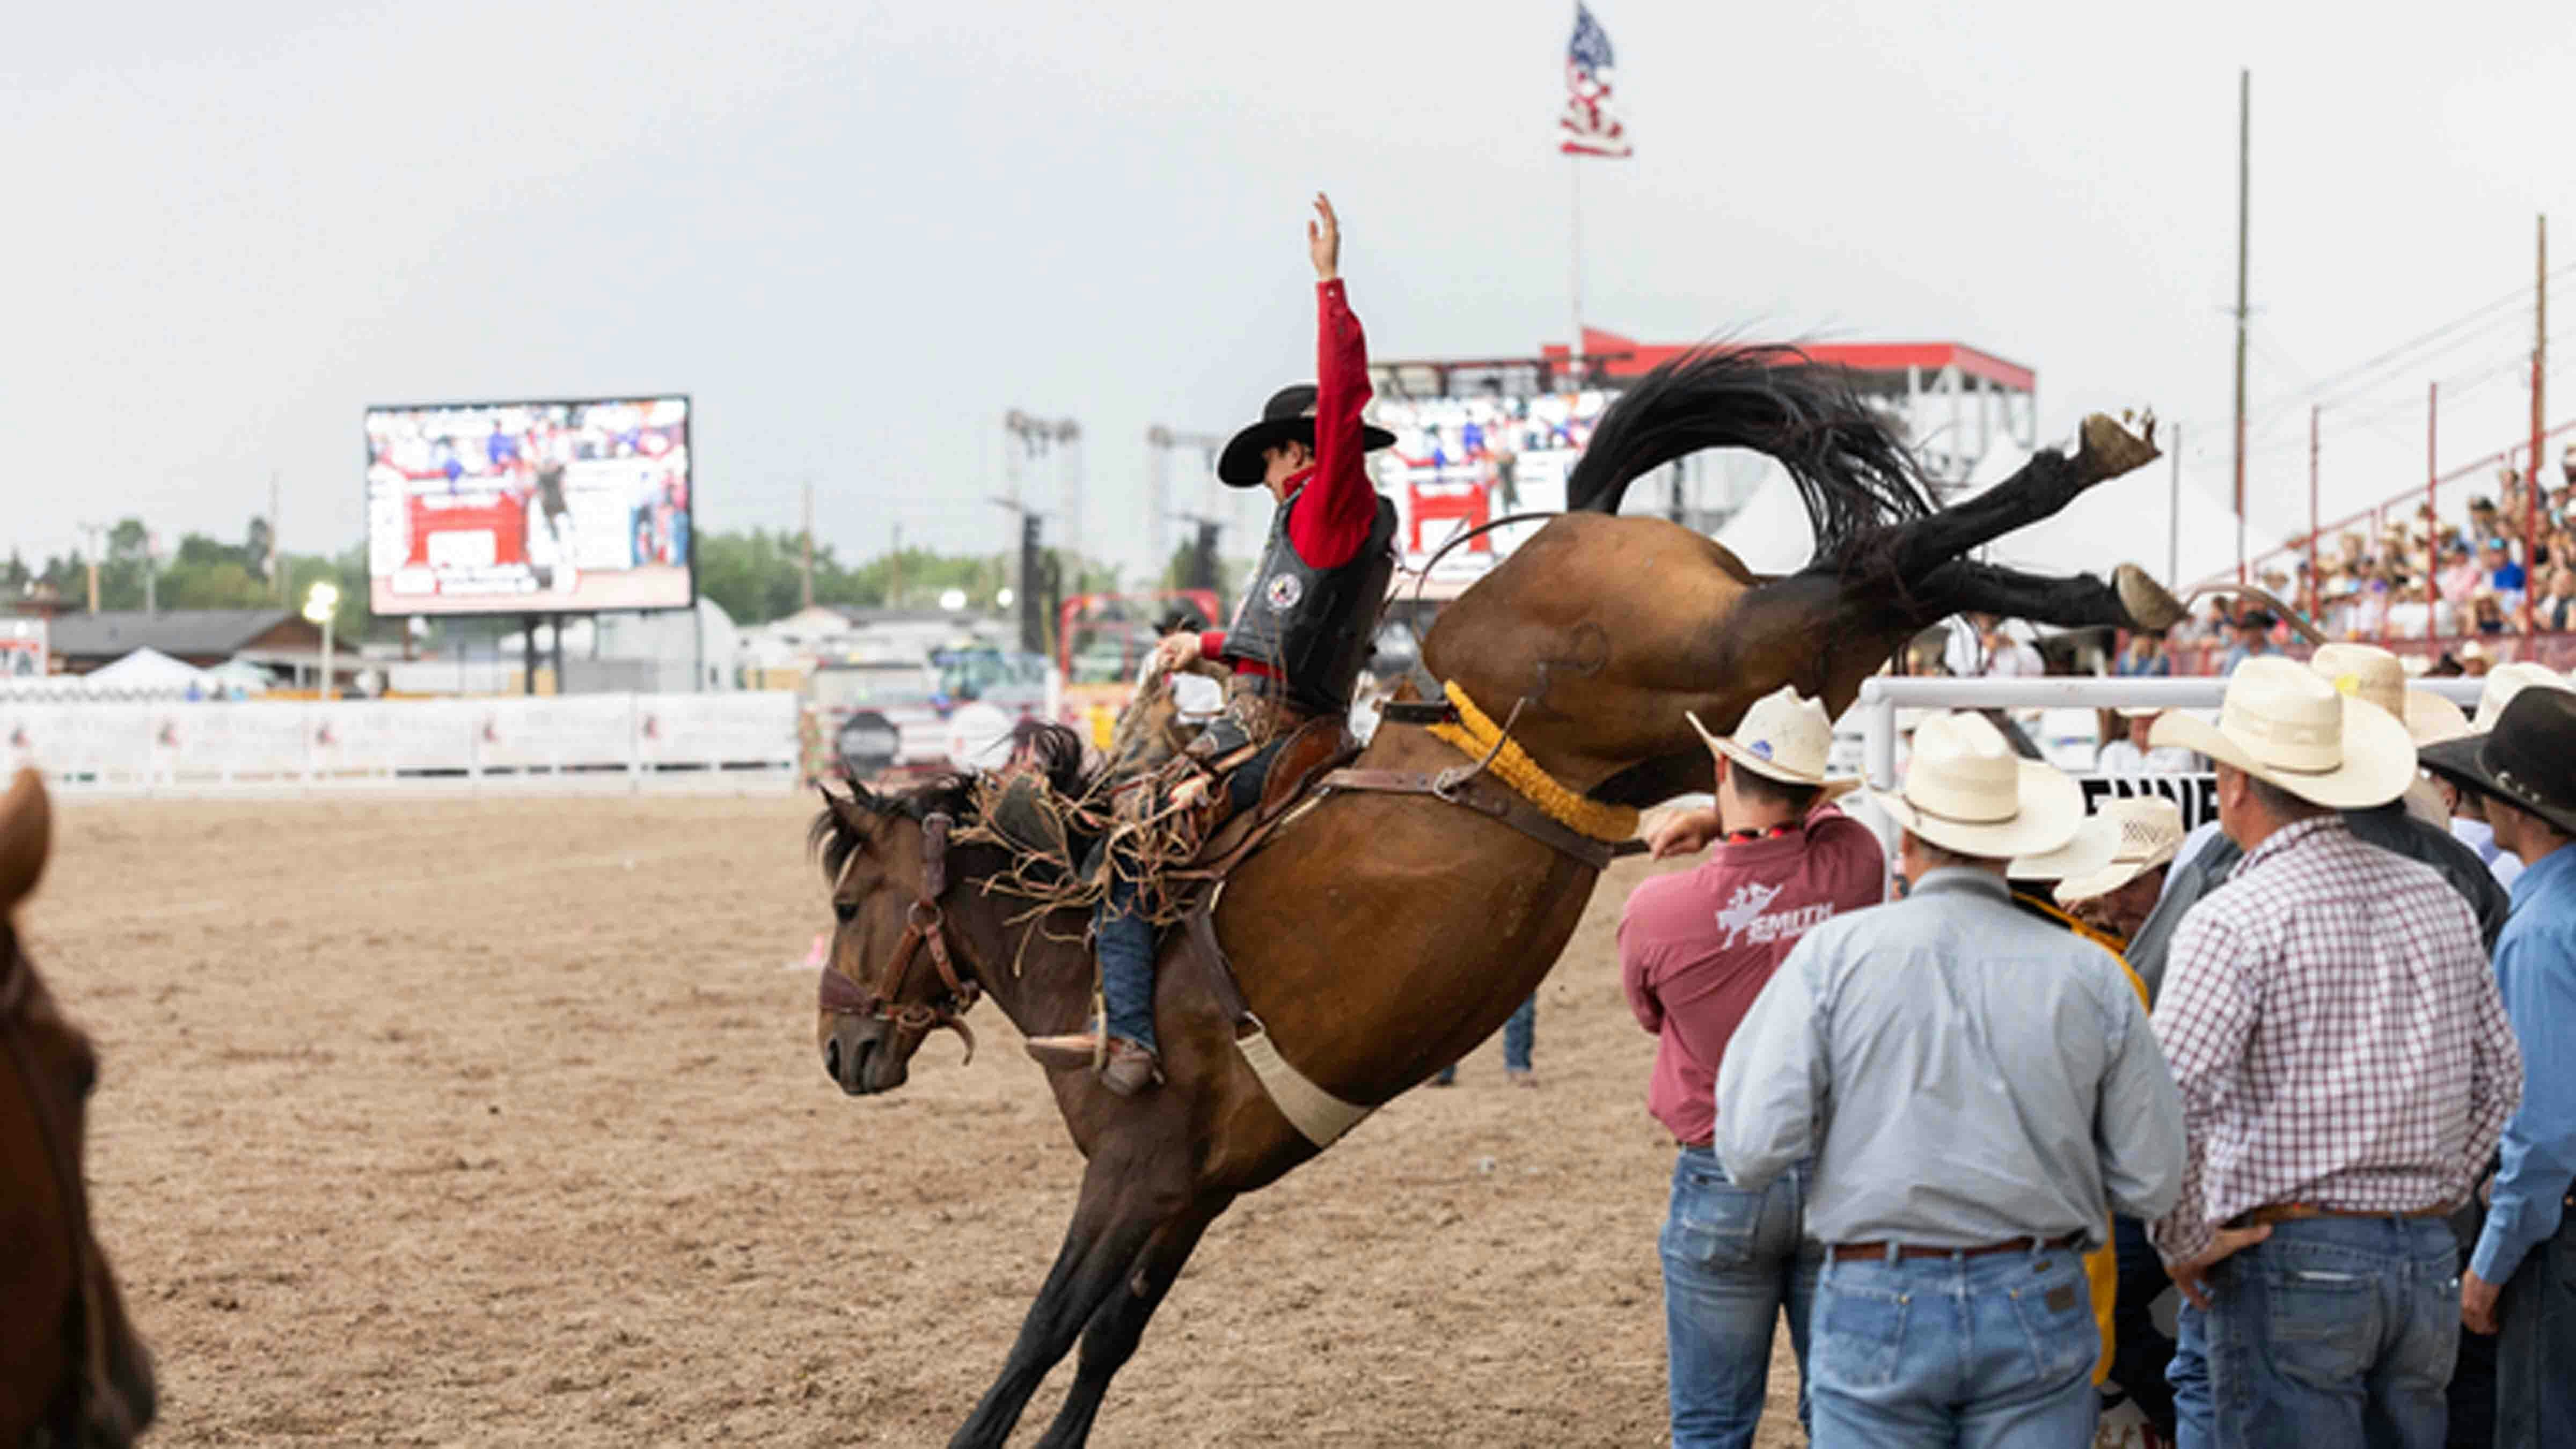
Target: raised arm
x,y
1332,520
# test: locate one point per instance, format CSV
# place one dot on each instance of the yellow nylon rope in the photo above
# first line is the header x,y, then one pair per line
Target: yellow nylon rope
x,y
1475,735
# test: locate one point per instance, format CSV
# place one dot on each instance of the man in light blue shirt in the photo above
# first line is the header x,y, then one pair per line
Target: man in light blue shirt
x,y
1978,1091
2522,1278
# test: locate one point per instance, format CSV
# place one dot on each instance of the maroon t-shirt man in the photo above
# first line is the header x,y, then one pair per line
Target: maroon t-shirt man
x,y
1696,947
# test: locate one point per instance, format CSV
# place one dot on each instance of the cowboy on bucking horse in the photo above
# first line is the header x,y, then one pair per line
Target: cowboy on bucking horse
x,y
1299,638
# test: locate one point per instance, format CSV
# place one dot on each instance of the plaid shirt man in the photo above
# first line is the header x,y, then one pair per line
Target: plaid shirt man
x,y
2331,1020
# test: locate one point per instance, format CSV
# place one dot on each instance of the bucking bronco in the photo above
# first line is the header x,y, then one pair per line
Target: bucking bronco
x,y
1376,925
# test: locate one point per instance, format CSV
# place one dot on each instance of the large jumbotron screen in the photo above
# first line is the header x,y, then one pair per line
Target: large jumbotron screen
x,y
529,507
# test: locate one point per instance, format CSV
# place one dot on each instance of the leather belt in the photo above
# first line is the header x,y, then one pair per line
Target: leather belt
x,y
1835,1252
2292,1212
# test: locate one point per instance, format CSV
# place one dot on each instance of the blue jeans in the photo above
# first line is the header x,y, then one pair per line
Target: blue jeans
x,y
2536,1352
1125,939
2195,1422
2335,1331
1733,1258
1991,1352
1520,1034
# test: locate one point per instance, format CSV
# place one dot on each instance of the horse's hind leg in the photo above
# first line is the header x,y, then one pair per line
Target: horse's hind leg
x,y
2130,600
2037,490
1124,1201
1114,1330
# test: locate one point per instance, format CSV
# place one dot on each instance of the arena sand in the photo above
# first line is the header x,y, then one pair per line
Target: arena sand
x,y
500,1122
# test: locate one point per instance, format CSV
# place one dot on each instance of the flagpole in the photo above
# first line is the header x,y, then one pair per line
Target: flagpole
x,y
1574,166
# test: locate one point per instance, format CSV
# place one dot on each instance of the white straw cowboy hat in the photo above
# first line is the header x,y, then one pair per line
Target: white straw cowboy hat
x,y
2148,831
1784,736
1965,790
2285,725
2503,683
2366,671
2090,852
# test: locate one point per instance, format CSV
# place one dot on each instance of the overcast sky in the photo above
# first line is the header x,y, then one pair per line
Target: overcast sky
x,y
857,234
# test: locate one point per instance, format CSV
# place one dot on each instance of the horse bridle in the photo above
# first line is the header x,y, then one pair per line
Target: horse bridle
x,y
925,925
83,1321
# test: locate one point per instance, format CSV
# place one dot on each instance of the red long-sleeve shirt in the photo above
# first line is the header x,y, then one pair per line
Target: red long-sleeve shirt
x,y
1328,528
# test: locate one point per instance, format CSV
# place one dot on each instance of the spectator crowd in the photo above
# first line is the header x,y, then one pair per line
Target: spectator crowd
x,y
2294,1067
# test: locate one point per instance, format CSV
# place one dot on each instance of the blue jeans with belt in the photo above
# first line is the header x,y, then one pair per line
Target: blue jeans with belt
x,y
2337,1331
1733,1258
1125,939
1959,1352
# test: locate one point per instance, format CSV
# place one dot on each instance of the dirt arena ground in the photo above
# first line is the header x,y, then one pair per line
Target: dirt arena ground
x,y
500,1122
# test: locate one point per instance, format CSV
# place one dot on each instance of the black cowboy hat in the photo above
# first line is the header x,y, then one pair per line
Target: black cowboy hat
x,y
2527,760
1289,417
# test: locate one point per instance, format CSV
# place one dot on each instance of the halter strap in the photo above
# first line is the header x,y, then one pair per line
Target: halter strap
x,y
925,924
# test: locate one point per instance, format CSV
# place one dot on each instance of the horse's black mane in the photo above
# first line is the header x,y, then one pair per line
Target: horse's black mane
x,y
1852,472
1054,749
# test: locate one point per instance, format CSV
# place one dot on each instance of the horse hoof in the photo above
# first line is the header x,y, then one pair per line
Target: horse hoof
x,y
2109,449
2149,605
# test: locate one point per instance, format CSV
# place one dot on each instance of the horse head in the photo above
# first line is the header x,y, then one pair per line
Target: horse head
x,y
895,972
74,1370
914,922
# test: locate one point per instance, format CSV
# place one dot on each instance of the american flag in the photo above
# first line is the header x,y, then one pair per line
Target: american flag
x,y
1588,128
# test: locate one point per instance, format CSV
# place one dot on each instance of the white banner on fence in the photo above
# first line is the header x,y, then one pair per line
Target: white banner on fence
x,y
609,742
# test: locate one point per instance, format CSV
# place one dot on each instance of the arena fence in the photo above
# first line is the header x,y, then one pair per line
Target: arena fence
x,y
735,743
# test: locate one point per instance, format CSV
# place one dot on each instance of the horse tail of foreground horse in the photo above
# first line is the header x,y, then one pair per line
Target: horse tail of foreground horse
x,y
1855,477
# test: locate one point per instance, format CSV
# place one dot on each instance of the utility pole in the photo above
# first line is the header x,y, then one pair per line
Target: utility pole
x,y
97,545
2539,433
809,543
2244,198
2173,515
2315,412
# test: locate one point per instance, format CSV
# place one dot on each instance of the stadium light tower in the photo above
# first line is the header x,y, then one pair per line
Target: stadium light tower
x,y
321,604
1161,442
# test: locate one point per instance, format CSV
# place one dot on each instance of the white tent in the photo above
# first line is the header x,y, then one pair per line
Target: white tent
x,y
1770,532
151,669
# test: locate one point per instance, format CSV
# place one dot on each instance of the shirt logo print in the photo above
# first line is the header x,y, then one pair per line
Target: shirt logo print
x,y
1744,917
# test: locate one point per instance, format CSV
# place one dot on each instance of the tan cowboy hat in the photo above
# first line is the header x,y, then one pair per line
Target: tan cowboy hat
x,y
2366,671
2148,831
2096,842
2503,683
1965,790
1785,737
2285,725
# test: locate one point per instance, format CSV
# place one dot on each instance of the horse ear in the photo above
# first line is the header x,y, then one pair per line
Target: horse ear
x,y
855,811
26,829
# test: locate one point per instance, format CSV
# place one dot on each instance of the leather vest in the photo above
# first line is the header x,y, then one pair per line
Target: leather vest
x,y
1314,626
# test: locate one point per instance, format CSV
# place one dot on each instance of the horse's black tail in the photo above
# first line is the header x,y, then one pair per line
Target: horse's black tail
x,y
1854,475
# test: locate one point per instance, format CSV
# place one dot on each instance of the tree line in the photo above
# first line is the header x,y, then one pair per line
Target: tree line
x,y
755,575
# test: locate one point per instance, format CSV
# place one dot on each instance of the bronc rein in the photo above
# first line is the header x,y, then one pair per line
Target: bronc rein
x,y
925,928
83,1321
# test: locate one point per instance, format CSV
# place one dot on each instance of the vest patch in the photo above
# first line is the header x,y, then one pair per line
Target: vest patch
x,y
1284,591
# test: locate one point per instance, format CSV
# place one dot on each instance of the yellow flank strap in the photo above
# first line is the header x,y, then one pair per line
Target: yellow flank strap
x,y
1476,736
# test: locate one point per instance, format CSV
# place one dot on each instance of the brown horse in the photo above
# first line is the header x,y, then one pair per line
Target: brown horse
x,y
1380,936
71,1369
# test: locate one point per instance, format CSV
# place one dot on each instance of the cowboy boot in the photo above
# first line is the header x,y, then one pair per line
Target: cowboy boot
x,y
1130,1068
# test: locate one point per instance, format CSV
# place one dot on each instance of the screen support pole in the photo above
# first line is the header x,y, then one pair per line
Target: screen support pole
x,y
528,653
555,644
